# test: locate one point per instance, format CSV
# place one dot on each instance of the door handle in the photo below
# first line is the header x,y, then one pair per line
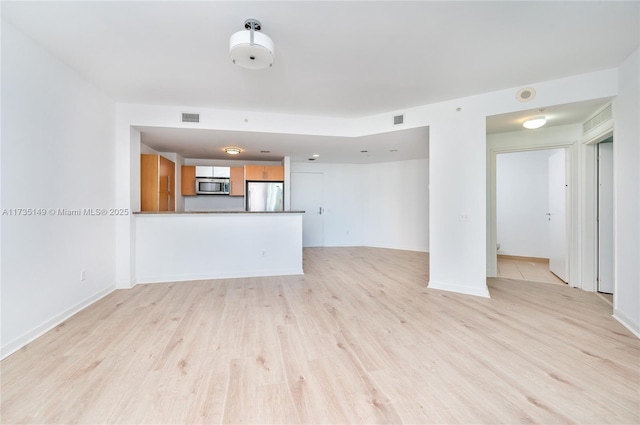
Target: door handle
x,y
320,210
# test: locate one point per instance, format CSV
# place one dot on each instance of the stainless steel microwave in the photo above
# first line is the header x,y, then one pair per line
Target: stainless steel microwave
x,y
212,186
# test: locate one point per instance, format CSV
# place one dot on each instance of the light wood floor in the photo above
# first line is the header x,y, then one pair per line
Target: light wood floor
x,y
358,339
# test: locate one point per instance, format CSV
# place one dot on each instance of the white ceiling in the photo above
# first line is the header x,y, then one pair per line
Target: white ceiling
x,y
344,59
393,146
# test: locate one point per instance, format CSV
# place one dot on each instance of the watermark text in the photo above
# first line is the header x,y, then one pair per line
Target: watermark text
x,y
62,212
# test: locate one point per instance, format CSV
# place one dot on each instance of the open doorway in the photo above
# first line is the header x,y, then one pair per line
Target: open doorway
x,y
531,215
605,216
589,124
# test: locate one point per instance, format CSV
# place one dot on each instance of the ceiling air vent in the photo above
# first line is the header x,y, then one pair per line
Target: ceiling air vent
x,y
190,117
601,117
398,119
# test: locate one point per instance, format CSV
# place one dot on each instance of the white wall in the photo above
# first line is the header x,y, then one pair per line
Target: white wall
x,y
180,200
522,198
457,204
57,152
146,150
396,208
343,201
626,157
382,205
213,246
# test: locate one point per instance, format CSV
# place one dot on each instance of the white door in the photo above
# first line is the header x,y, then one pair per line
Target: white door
x,y
558,264
605,217
306,195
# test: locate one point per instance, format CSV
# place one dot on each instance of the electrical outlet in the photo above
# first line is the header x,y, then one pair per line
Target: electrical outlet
x,y
83,275
464,217
264,253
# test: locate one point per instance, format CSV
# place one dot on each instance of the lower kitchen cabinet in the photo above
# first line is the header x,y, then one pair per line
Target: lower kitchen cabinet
x,y
157,183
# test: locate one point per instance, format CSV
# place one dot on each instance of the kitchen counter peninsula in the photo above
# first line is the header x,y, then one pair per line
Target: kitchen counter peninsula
x,y
197,245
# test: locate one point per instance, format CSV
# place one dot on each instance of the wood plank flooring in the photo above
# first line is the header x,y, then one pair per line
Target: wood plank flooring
x,y
358,339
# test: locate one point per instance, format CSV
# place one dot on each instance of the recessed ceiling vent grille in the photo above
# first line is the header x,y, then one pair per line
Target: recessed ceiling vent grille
x,y
398,119
601,117
190,117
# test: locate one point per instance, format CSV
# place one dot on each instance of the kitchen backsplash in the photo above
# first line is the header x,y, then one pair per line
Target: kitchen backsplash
x,y
213,203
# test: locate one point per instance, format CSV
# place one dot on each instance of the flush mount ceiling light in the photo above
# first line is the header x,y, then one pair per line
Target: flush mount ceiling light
x,y
232,151
533,123
251,49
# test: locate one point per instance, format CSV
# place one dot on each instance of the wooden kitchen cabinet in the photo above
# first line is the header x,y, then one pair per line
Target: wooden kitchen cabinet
x,y
236,181
264,172
157,183
188,182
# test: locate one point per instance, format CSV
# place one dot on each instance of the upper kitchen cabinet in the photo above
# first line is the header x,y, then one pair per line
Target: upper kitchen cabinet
x,y
157,183
236,181
188,186
264,172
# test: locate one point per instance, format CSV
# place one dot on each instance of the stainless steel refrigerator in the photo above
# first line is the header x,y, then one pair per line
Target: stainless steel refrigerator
x,y
265,196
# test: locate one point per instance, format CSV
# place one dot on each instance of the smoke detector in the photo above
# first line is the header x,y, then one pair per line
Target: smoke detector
x,y
251,49
526,94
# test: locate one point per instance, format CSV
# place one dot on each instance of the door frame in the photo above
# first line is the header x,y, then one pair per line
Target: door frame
x,y
572,219
292,178
590,200
581,205
599,216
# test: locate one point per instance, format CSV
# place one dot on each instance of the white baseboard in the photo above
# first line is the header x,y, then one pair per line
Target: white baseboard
x,y
468,290
627,323
45,327
208,276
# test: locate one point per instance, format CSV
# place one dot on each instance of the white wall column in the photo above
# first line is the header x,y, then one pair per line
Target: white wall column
x,y
127,196
626,177
457,202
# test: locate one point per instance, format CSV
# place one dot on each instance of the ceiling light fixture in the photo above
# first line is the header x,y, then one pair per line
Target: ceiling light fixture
x,y
533,123
232,151
251,49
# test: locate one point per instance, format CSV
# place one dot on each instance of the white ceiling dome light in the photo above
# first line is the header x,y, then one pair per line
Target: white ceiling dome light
x,y
251,49
534,123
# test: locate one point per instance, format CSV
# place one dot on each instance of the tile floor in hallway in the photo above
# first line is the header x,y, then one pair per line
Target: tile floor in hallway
x,y
533,269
